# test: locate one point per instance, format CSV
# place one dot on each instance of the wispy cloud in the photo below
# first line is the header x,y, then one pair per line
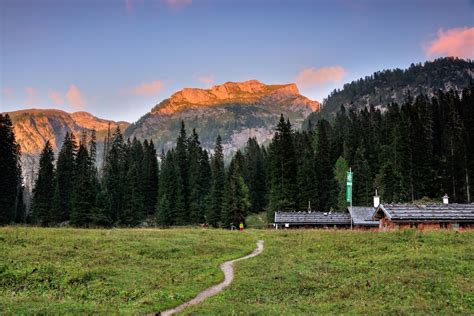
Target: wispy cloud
x,y
31,99
456,42
177,4
310,77
75,98
129,6
208,80
173,4
56,97
148,88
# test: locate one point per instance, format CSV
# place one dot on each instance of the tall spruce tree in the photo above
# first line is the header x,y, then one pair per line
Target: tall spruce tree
x,y
114,180
255,175
84,196
362,180
307,190
237,195
64,181
167,190
326,182
196,190
150,177
43,191
11,188
340,171
133,202
282,170
217,192
182,207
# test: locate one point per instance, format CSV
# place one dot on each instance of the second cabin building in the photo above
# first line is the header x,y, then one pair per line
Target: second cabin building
x,y
384,217
431,217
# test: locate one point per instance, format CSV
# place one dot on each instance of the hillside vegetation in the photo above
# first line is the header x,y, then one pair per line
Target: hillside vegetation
x,y
135,271
396,85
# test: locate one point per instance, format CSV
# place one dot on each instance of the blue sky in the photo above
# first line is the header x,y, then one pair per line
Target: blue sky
x,y
118,58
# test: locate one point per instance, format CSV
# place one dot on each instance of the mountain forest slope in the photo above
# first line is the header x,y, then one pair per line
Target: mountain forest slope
x,y
397,85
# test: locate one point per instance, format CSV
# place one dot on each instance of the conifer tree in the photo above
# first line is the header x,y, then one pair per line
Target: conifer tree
x,y
182,194
133,200
167,191
340,170
237,197
114,179
194,177
11,187
282,170
217,192
255,175
84,196
326,182
64,180
307,190
44,188
362,179
150,177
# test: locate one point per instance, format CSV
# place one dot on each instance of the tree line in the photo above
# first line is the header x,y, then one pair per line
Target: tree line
x,y
420,149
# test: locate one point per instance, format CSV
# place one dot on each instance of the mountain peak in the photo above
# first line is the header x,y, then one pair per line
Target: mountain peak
x,y
246,92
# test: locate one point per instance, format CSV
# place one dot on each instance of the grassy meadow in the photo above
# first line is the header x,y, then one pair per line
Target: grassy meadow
x,y
133,271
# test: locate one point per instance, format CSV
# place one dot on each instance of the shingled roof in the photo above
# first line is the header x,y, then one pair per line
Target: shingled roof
x,y
362,215
313,218
432,212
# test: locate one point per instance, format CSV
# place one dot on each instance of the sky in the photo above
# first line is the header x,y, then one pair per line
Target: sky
x,y
118,58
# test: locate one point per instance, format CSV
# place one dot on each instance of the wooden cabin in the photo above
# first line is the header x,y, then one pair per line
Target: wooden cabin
x,y
310,219
433,216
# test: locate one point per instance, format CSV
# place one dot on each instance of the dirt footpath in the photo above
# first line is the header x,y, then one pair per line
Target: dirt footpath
x,y
228,269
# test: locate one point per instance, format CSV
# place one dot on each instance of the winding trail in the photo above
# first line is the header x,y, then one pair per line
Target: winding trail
x,y
228,269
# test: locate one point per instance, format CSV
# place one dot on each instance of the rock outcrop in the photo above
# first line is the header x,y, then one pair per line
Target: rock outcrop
x,y
234,110
247,92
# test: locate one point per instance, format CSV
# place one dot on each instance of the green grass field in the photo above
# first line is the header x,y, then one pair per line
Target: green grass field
x,y
134,271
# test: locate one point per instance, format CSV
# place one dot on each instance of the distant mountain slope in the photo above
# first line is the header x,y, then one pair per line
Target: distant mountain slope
x,y
235,110
384,87
34,127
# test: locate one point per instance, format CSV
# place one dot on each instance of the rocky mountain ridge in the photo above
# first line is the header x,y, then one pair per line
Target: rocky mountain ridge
x,y
234,110
247,92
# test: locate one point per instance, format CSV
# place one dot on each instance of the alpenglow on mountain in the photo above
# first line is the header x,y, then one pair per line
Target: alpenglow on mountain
x,y
235,110
34,127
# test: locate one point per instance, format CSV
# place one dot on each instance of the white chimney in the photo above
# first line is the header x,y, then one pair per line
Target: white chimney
x,y
445,199
376,200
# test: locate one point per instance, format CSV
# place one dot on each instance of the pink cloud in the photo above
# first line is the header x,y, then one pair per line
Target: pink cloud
x,y
148,88
177,4
32,99
208,80
456,42
56,97
129,5
309,77
173,4
75,98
